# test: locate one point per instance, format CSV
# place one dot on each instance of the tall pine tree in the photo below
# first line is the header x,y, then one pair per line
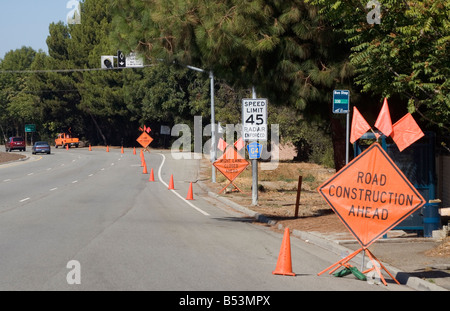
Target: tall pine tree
x,y
283,48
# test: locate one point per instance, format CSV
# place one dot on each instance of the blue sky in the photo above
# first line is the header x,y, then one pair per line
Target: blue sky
x,y
25,22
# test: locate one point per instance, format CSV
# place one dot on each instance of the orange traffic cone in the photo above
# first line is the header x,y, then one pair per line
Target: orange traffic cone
x,y
144,171
152,177
171,186
121,149
107,148
284,265
134,150
190,195
67,147
90,149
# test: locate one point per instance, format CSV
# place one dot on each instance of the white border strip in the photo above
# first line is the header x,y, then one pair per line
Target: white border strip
x,y
189,203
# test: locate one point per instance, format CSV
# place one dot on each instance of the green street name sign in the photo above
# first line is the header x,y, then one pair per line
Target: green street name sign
x,y
29,128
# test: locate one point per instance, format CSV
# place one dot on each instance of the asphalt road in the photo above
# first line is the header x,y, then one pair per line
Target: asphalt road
x,y
99,210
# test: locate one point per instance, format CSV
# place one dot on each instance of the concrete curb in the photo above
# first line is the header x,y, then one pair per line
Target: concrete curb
x,y
331,245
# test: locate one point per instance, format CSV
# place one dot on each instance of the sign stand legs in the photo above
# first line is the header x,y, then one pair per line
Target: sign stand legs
x,y
341,262
377,268
231,183
376,265
254,182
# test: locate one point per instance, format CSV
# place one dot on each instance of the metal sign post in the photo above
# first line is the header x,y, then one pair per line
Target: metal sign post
x,y
341,105
30,128
213,151
254,128
254,169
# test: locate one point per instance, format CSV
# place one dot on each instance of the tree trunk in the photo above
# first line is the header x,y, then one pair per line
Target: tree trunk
x,y
98,129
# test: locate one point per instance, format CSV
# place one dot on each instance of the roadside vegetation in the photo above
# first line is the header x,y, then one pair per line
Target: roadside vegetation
x,y
295,53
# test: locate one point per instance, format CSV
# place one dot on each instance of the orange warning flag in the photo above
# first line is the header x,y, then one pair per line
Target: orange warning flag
x,y
406,132
359,126
384,123
222,145
239,144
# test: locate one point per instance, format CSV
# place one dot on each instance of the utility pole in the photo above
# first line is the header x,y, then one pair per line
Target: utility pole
x,y
213,125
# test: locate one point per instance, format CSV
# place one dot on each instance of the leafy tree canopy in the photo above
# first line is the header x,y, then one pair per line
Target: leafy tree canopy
x,y
406,54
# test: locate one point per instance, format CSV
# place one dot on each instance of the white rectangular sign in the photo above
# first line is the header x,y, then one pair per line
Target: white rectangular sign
x,y
254,119
134,60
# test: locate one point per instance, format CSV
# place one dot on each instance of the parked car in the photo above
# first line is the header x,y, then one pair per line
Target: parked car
x,y
15,143
41,147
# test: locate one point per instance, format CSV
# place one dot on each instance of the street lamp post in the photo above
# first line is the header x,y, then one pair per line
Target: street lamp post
x,y
213,126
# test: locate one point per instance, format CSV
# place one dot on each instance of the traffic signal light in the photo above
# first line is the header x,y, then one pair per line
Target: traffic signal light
x,y
107,62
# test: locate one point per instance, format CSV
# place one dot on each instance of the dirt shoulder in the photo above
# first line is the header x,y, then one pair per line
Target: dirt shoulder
x,y
277,195
10,156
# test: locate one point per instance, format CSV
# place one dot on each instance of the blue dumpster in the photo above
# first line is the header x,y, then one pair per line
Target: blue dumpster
x,y
417,162
431,219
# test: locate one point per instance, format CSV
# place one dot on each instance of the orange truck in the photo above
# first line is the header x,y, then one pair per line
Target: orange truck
x,y
65,139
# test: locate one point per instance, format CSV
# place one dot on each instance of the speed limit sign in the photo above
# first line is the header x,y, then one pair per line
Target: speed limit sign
x,y
254,119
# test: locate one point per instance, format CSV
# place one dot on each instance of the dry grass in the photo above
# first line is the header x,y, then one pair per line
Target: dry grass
x,y
277,189
443,250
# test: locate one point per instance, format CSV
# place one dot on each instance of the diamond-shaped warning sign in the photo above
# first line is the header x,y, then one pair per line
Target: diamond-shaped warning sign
x,y
144,140
231,164
371,195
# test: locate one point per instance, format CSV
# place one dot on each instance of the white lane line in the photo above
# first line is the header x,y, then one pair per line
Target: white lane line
x,y
189,203
30,174
53,189
74,182
90,175
6,180
23,200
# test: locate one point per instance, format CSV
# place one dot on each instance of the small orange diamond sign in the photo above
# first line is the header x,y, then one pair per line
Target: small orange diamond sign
x,y
144,140
371,195
231,164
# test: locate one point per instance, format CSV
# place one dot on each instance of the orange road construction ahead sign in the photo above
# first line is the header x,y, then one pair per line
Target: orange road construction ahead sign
x,y
371,195
144,140
231,164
